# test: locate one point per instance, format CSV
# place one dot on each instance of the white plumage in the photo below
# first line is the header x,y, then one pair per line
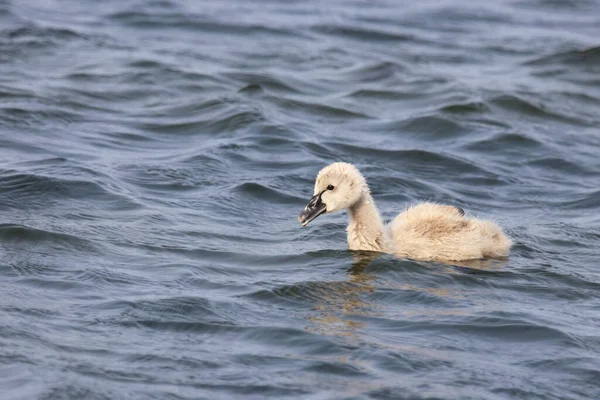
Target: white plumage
x,y
426,231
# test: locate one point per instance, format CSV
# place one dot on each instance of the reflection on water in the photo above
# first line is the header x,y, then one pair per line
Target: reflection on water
x,y
344,300
341,305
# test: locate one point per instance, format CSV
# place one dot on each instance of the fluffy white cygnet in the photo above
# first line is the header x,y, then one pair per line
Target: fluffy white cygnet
x,y
426,231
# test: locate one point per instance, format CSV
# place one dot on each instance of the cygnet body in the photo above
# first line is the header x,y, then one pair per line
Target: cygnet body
x,y
426,231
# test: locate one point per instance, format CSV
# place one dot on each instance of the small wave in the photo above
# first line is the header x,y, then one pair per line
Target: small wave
x,y
36,114
174,360
415,157
14,93
263,81
508,329
558,5
33,32
505,141
466,108
587,57
311,293
61,285
587,200
200,23
40,191
13,233
31,39
288,105
223,119
363,33
266,194
185,308
433,126
178,177
109,278
562,166
214,327
251,89
377,94
448,16
37,189
372,72
523,106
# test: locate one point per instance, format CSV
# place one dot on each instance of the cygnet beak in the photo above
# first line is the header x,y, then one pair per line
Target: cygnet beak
x,y
313,209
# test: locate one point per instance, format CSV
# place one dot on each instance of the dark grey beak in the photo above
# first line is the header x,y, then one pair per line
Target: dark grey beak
x,y
313,209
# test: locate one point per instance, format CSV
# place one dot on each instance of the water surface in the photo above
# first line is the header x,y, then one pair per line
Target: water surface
x,y
154,156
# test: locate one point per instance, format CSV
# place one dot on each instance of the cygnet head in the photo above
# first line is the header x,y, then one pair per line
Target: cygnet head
x,y
338,186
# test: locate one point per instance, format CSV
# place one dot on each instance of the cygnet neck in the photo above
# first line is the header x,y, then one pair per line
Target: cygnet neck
x,y
365,228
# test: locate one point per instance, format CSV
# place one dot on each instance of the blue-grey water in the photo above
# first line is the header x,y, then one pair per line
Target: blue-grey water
x,y
154,155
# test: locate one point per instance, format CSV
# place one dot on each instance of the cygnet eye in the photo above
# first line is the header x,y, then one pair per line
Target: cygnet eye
x,y
330,187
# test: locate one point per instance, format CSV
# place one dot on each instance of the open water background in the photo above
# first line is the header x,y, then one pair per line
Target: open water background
x,y
154,156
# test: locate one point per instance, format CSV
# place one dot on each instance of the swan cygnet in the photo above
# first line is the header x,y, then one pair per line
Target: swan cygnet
x,y
426,231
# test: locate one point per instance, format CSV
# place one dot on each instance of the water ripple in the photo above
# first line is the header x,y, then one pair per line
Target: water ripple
x,y
154,155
